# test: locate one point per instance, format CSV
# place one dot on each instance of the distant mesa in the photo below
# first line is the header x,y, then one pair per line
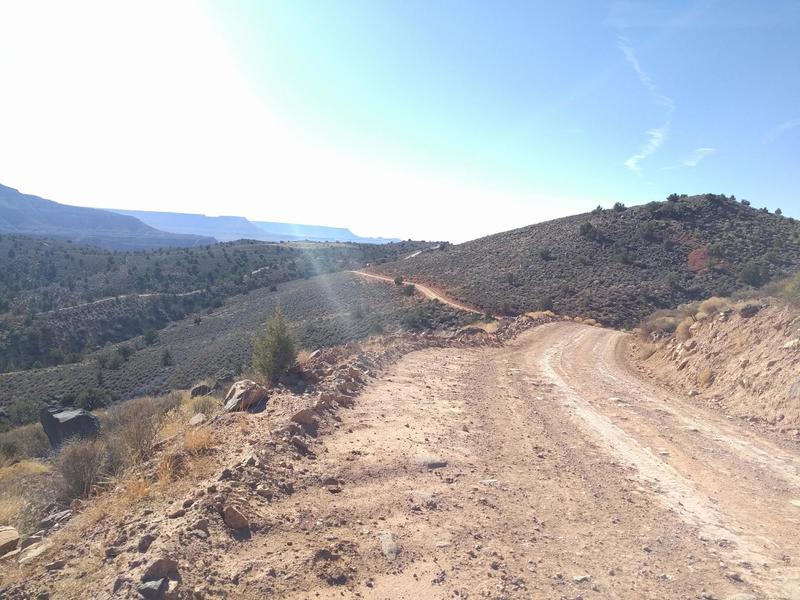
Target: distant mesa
x,y
228,228
24,214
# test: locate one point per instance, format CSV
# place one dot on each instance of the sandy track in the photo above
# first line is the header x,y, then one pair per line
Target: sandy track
x,y
425,290
566,476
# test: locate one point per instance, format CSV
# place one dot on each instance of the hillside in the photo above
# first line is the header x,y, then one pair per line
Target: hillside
x,y
59,299
616,265
31,215
324,311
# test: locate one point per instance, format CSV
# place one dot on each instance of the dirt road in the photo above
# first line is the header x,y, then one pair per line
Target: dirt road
x,y
425,290
546,468
543,469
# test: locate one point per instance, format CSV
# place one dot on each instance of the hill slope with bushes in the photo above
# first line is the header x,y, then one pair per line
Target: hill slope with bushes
x,y
324,311
616,265
59,299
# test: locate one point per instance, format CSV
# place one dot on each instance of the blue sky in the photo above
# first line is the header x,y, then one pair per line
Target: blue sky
x,y
422,119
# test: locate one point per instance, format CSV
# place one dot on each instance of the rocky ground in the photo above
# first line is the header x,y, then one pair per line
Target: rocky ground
x,y
743,360
537,465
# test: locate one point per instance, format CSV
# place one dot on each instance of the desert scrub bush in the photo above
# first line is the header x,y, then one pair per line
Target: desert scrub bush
x,y
275,349
754,273
303,356
409,289
683,330
712,306
130,429
197,440
207,405
171,466
26,441
80,463
661,322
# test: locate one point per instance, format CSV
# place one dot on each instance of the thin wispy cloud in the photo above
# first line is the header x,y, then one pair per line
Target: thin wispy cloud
x,y
779,130
655,139
696,157
657,135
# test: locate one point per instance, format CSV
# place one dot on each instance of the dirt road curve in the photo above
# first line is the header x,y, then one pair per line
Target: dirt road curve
x,y
426,291
544,469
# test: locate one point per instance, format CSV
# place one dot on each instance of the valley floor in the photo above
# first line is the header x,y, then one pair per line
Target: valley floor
x,y
547,468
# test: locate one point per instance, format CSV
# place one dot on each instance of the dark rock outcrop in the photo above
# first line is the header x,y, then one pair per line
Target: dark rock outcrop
x,y
61,423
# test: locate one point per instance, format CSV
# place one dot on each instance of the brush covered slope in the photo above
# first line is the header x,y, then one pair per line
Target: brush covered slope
x,y
59,300
616,265
324,311
31,215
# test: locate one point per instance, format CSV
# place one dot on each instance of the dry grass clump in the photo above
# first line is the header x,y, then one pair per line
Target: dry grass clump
x,y
171,466
27,441
10,507
25,488
705,377
197,441
81,464
713,305
661,322
683,330
131,428
207,405
303,356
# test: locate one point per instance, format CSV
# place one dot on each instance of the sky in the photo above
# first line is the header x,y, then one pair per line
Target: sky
x,y
450,119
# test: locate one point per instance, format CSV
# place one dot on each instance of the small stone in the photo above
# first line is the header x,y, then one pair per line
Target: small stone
x,y
151,590
234,518
196,420
581,578
432,462
389,546
113,551
201,525
177,513
162,568
56,565
144,542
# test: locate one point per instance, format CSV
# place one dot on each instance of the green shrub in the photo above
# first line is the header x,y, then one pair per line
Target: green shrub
x,y
275,349
92,398
409,289
398,280
166,358
754,273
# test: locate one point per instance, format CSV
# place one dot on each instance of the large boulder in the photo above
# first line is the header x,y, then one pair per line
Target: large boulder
x,y
61,423
245,394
